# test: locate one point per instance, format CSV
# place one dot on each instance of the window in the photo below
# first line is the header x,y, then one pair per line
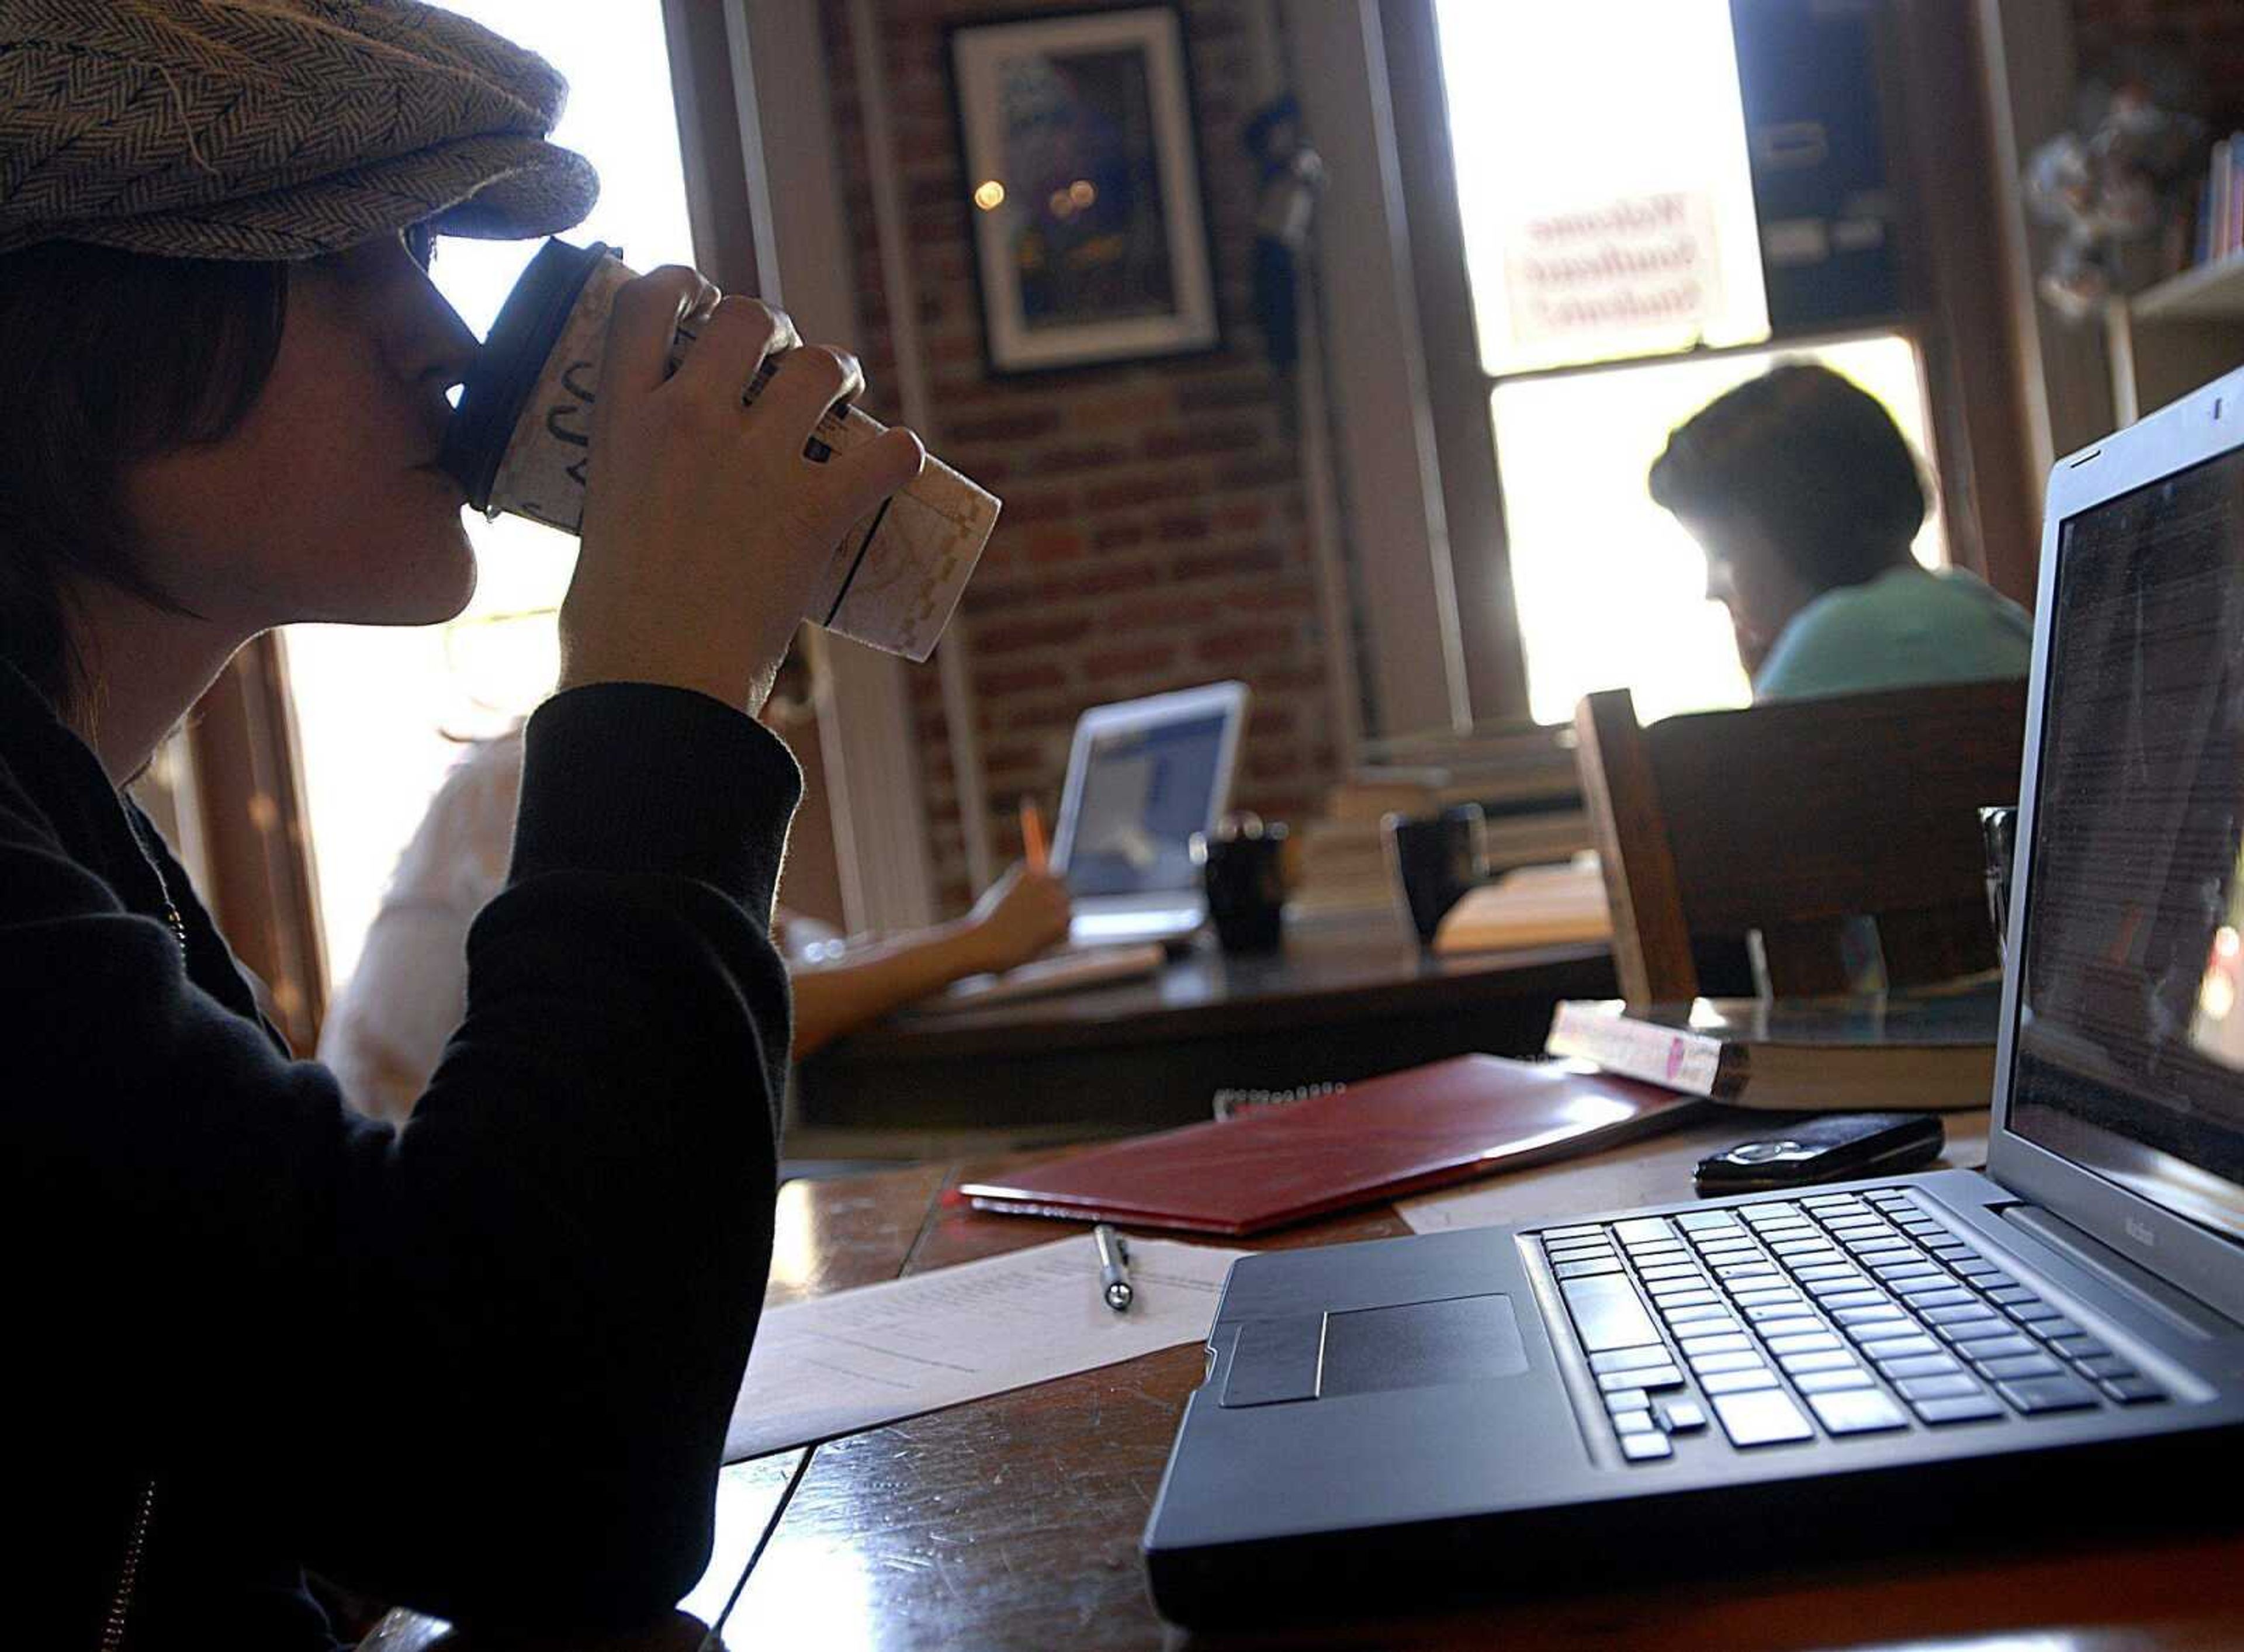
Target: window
x,y
1606,213
1601,172
381,712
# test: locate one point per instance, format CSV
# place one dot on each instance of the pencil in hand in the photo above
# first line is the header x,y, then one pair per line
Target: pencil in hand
x,y
1032,837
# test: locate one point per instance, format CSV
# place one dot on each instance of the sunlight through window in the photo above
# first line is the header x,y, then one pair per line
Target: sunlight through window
x,y
1601,173
381,713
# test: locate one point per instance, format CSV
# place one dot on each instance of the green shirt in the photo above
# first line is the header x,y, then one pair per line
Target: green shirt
x,y
1906,627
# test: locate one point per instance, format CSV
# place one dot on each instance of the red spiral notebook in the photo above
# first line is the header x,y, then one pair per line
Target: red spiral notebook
x,y
1378,1141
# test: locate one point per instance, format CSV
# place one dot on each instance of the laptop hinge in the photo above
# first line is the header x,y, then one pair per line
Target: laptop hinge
x,y
2178,1309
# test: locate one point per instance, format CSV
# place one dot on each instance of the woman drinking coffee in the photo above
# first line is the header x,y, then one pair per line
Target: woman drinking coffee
x,y
481,1364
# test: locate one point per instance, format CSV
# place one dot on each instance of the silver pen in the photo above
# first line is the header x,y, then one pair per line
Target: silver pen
x,y
1113,1267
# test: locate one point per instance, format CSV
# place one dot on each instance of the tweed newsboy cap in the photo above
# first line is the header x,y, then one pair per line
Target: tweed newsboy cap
x,y
273,129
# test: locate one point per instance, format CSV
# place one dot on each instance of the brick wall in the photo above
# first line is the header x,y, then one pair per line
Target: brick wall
x,y
1153,534
2210,31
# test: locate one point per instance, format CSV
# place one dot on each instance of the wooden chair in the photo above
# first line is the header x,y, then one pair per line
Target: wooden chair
x,y
1788,819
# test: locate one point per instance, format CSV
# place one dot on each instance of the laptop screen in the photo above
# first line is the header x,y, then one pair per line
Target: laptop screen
x,y
2130,1042
1145,791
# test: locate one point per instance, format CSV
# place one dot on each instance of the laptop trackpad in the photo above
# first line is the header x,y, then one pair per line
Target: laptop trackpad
x,y
1367,1350
1422,1345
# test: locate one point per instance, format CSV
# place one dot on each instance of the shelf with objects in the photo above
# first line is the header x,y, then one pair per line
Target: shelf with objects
x,y
2147,204
2167,340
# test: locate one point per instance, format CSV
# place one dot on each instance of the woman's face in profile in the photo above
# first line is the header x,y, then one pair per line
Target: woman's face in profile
x,y
325,502
1745,574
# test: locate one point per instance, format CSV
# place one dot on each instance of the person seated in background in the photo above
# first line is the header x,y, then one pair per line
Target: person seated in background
x,y
388,1024
1805,497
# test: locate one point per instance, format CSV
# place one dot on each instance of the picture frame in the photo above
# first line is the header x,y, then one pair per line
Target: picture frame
x,y
1085,205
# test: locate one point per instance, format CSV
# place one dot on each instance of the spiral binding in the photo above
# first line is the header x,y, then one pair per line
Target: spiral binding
x,y
1232,1104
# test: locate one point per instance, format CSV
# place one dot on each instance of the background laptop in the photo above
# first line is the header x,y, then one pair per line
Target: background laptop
x,y
1142,777
1935,1358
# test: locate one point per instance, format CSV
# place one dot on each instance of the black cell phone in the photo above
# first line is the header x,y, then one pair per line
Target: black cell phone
x,y
1824,1148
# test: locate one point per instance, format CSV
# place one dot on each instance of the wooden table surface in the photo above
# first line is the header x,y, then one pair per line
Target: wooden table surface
x,y
1343,1000
1014,1521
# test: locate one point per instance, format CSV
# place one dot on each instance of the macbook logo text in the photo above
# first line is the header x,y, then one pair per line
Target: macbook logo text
x,y
2141,1232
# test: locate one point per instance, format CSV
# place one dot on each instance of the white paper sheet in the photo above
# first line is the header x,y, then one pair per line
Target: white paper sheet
x,y
858,1358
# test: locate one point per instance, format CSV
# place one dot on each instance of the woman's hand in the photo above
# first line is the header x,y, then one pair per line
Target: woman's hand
x,y
706,528
1022,914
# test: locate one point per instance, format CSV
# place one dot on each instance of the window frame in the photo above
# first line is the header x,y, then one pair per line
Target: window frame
x,y
245,784
1933,88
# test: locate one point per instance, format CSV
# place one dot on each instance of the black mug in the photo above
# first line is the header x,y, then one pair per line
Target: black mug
x,y
1433,860
1243,870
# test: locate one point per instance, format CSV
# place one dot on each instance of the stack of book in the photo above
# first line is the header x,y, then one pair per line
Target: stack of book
x,y
2220,215
1524,780
1895,1052
1339,867
1530,906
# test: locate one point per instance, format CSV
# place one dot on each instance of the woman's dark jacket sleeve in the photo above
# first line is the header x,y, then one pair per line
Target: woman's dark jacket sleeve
x,y
483,1365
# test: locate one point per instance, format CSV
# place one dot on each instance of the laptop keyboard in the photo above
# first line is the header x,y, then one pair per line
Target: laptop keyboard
x,y
1840,1313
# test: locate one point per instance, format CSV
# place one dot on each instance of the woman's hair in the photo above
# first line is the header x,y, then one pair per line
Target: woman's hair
x,y
1809,458
108,359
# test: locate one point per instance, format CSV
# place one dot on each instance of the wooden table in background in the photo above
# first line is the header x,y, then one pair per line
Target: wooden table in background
x,y
1343,1001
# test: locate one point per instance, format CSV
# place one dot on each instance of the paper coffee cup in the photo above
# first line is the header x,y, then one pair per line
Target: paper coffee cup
x,y
522,437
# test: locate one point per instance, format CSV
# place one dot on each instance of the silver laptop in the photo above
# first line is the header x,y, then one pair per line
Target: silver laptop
x,y
1941,1359
1142,777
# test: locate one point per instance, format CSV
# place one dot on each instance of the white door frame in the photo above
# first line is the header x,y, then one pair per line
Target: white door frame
x,y
1390,472
879,804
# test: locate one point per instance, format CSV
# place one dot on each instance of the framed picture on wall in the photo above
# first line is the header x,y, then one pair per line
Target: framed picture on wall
x,y
1090,236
